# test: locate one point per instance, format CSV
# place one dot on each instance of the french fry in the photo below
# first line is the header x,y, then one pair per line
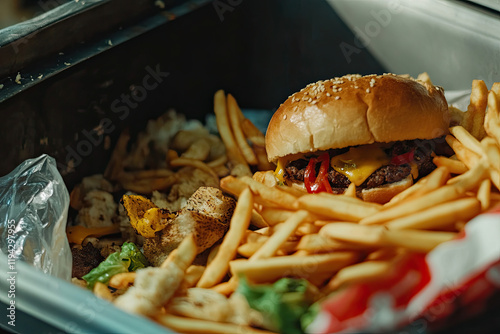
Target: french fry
x,y
435,179
183,255
385,254
198,326
492,153
252,133
316,243
424,77
457,189
338,206
235,118
492,118
270,195
274,215
467,139
101,290
474,117
471,179
249,249
213,252
275,241
196,164
306,229
454,166
266,177
261,154
271,269
363,272
233,185
122,280
483,194
192,276
217,162
240,166
226,288
294,189
468,157
199,150
240,221
257,220
441,195
351,190
379,236
438,216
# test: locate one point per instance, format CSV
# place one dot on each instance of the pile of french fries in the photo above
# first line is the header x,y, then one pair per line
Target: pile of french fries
x,y
335,240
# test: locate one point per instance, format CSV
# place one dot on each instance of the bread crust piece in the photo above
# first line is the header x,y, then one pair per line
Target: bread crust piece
x,y
207,214
355,110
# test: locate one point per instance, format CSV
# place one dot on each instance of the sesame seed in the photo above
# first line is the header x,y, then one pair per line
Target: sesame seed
x,y
284,116
368,90
356,87
337,97
327,94
314,102
340,89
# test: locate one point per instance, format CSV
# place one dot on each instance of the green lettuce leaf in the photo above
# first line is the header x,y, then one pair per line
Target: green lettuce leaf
x,y
282,304
128,259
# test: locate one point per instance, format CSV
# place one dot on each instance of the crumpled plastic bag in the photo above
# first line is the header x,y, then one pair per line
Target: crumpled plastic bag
x,y
34,204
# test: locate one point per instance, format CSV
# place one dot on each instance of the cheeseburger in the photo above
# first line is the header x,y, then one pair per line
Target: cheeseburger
x,y
377,131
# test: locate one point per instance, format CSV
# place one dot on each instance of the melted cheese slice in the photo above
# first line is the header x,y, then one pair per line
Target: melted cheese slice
x,y
282,162
360,162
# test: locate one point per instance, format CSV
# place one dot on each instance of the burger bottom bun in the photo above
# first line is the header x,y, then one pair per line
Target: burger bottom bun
x,y
384,193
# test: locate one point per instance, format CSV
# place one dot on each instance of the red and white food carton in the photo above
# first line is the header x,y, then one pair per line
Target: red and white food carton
x,y
425,288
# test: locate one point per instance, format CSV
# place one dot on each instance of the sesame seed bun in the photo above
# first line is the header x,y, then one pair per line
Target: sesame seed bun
x,y
356,110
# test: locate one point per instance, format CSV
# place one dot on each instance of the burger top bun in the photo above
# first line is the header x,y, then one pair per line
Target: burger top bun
x,y
356,110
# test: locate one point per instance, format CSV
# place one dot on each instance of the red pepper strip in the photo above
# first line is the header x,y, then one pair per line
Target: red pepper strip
x,y
322,179
318,184
403,158
310,175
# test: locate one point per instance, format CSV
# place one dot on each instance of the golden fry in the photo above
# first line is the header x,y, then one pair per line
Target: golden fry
x,y
474,117
278,238
101,290
239,163
483,194
183,255
271,269
122,280
454,166
438,216
252,133
235,118
468,157
239,224
338,206
270,195
363,272
379,236
197,326
196,164
316,243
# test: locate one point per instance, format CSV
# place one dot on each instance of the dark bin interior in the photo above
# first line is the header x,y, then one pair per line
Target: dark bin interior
x,y
259,51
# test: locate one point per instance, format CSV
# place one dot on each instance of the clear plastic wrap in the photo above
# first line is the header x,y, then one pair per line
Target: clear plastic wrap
x,y
34,204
